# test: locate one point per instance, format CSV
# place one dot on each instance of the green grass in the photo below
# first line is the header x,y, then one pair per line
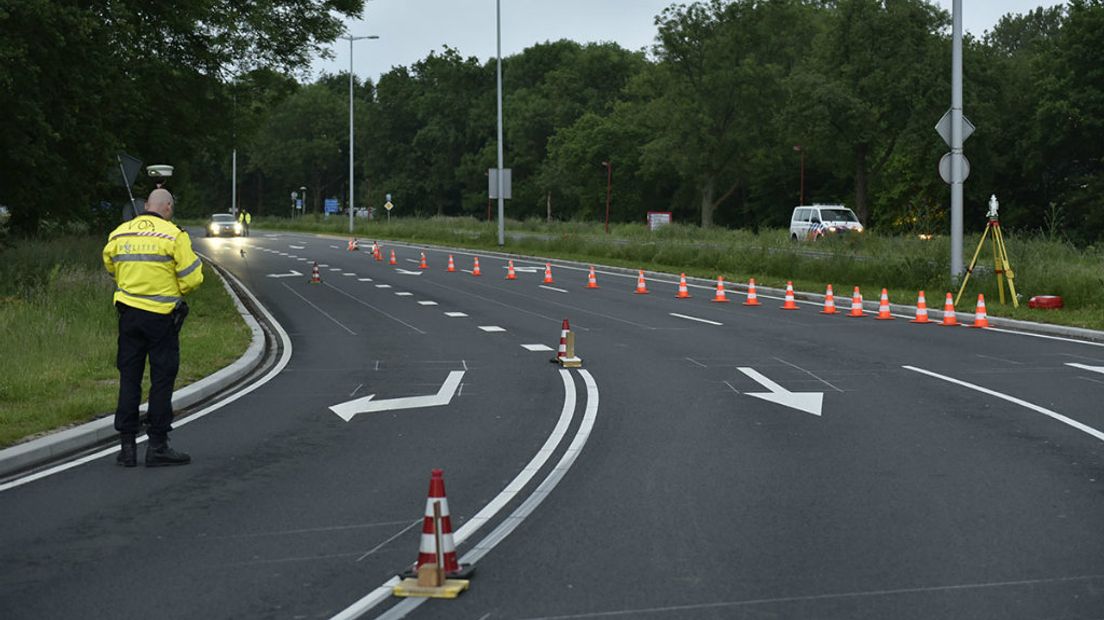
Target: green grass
x,y
903,265
58,334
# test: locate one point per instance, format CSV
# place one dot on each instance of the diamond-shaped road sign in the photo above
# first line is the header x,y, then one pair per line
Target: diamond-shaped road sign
x,y
943,127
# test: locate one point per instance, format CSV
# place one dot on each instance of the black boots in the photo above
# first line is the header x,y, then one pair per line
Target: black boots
x,y
128,454
159,454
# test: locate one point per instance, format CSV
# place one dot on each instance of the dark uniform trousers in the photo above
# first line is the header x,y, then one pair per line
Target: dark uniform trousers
x,y
146,334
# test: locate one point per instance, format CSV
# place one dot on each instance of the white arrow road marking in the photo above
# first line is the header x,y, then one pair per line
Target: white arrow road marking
x,y
1099,369
293,274
809,402
408,273
365,404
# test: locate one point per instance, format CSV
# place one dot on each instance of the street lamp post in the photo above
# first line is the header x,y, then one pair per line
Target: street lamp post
x,y
498,56
801,196
351,39
303,193
609,187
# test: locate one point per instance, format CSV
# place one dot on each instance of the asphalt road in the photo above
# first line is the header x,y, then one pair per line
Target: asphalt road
x,y
951,473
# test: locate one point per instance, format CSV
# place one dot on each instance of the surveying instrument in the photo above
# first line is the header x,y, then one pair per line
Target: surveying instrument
x,y
1001,266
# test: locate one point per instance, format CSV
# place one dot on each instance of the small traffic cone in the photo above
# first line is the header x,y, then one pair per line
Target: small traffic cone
x,y
451,266
393,261
375,248
641,287
921,309
719,296
565,355
378,254
423,264
752,298
856,304
883,308
562,351
510,273
475,269
683,292
427,550
789,304
592,280
949,318
548,274
316,278
980,318
829,302
352,246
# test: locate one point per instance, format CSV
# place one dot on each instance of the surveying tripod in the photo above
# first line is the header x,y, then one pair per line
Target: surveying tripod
x,y
1001,266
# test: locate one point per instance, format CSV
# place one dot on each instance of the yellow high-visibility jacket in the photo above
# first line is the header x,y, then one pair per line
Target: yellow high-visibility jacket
x,y
152,262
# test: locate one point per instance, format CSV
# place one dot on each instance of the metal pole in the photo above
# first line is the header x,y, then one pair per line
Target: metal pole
x,y
351,194
609,187
498,56
956,141
234,183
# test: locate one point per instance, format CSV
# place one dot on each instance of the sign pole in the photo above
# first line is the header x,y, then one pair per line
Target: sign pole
x,y
956,142
498,55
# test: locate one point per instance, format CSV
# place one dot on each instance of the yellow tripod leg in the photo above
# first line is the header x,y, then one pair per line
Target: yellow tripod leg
x,y
1008,272
970,269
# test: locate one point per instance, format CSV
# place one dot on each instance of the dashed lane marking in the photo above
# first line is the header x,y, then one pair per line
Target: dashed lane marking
x,y
427,303
455,315
552,288
491,328
536,347
694,318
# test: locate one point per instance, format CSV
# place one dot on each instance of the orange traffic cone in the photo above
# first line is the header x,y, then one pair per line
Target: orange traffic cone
x,y
719,296
856,304
948,312
352,246
451,265
921,309
980,318
423,264
789,304
428,552
378,254
752,298
683,292
375,248
592,280
510,273
475,269
641,287
393,261
829,302
562,351
548,274
883,308
316,278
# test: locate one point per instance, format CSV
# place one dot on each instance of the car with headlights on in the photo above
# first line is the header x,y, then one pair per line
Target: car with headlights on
x,y
815,221
224,224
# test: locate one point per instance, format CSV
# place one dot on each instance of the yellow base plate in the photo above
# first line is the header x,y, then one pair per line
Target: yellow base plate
x,y
571,362
450,589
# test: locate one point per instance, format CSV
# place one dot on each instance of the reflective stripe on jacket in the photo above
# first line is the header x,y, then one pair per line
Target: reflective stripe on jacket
x,y
152,262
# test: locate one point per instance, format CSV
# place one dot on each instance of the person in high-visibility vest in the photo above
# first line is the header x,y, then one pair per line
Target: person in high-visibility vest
x,y
248,221
154,266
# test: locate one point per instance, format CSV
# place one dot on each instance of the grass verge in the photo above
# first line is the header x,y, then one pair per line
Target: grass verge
x,y
58,336
902,265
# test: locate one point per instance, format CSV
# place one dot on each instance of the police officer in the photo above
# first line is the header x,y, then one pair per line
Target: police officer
x,y
248,222
154,266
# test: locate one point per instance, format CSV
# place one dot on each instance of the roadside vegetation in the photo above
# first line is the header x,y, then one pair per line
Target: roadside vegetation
x,y
1043,265
58,333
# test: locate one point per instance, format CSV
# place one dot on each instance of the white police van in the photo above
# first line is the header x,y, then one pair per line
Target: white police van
x,y
815,221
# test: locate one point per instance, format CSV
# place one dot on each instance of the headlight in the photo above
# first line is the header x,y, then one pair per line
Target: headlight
x,y
858,229
831,229
237,227
212,227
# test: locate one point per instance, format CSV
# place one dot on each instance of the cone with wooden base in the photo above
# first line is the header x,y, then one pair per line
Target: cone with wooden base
x,y
565,355
641,286
437,573
789,304
980,318
921,309
592,280
316,278
829,302
719,297
752,297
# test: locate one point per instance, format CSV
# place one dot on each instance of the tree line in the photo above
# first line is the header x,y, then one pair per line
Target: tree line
x,y
717,122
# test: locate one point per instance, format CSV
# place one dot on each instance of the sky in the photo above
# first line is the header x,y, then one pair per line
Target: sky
x,y
410,29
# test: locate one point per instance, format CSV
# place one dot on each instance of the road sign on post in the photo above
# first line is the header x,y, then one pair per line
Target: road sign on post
x,y
507,183
387,205
945,168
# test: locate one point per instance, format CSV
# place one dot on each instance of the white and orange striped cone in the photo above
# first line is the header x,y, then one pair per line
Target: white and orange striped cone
x,y
562,351
548,274
980,318
392,261
752,297
641,286
352,246
829,302
856,304
921,309
316,278
683,292
719,297
428,553
375,248
378,254
789,304
510,273
883,307
592,280
949,318
475,268
423,265
451,265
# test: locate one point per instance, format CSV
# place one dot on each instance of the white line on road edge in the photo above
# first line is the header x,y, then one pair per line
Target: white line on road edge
x,y
529,505
694,318
1012,399
1099,369
1048,337
277,369
383,592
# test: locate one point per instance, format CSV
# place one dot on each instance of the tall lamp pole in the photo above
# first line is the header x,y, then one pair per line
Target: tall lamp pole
x,y
498,56
351,38
801,196
609,187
